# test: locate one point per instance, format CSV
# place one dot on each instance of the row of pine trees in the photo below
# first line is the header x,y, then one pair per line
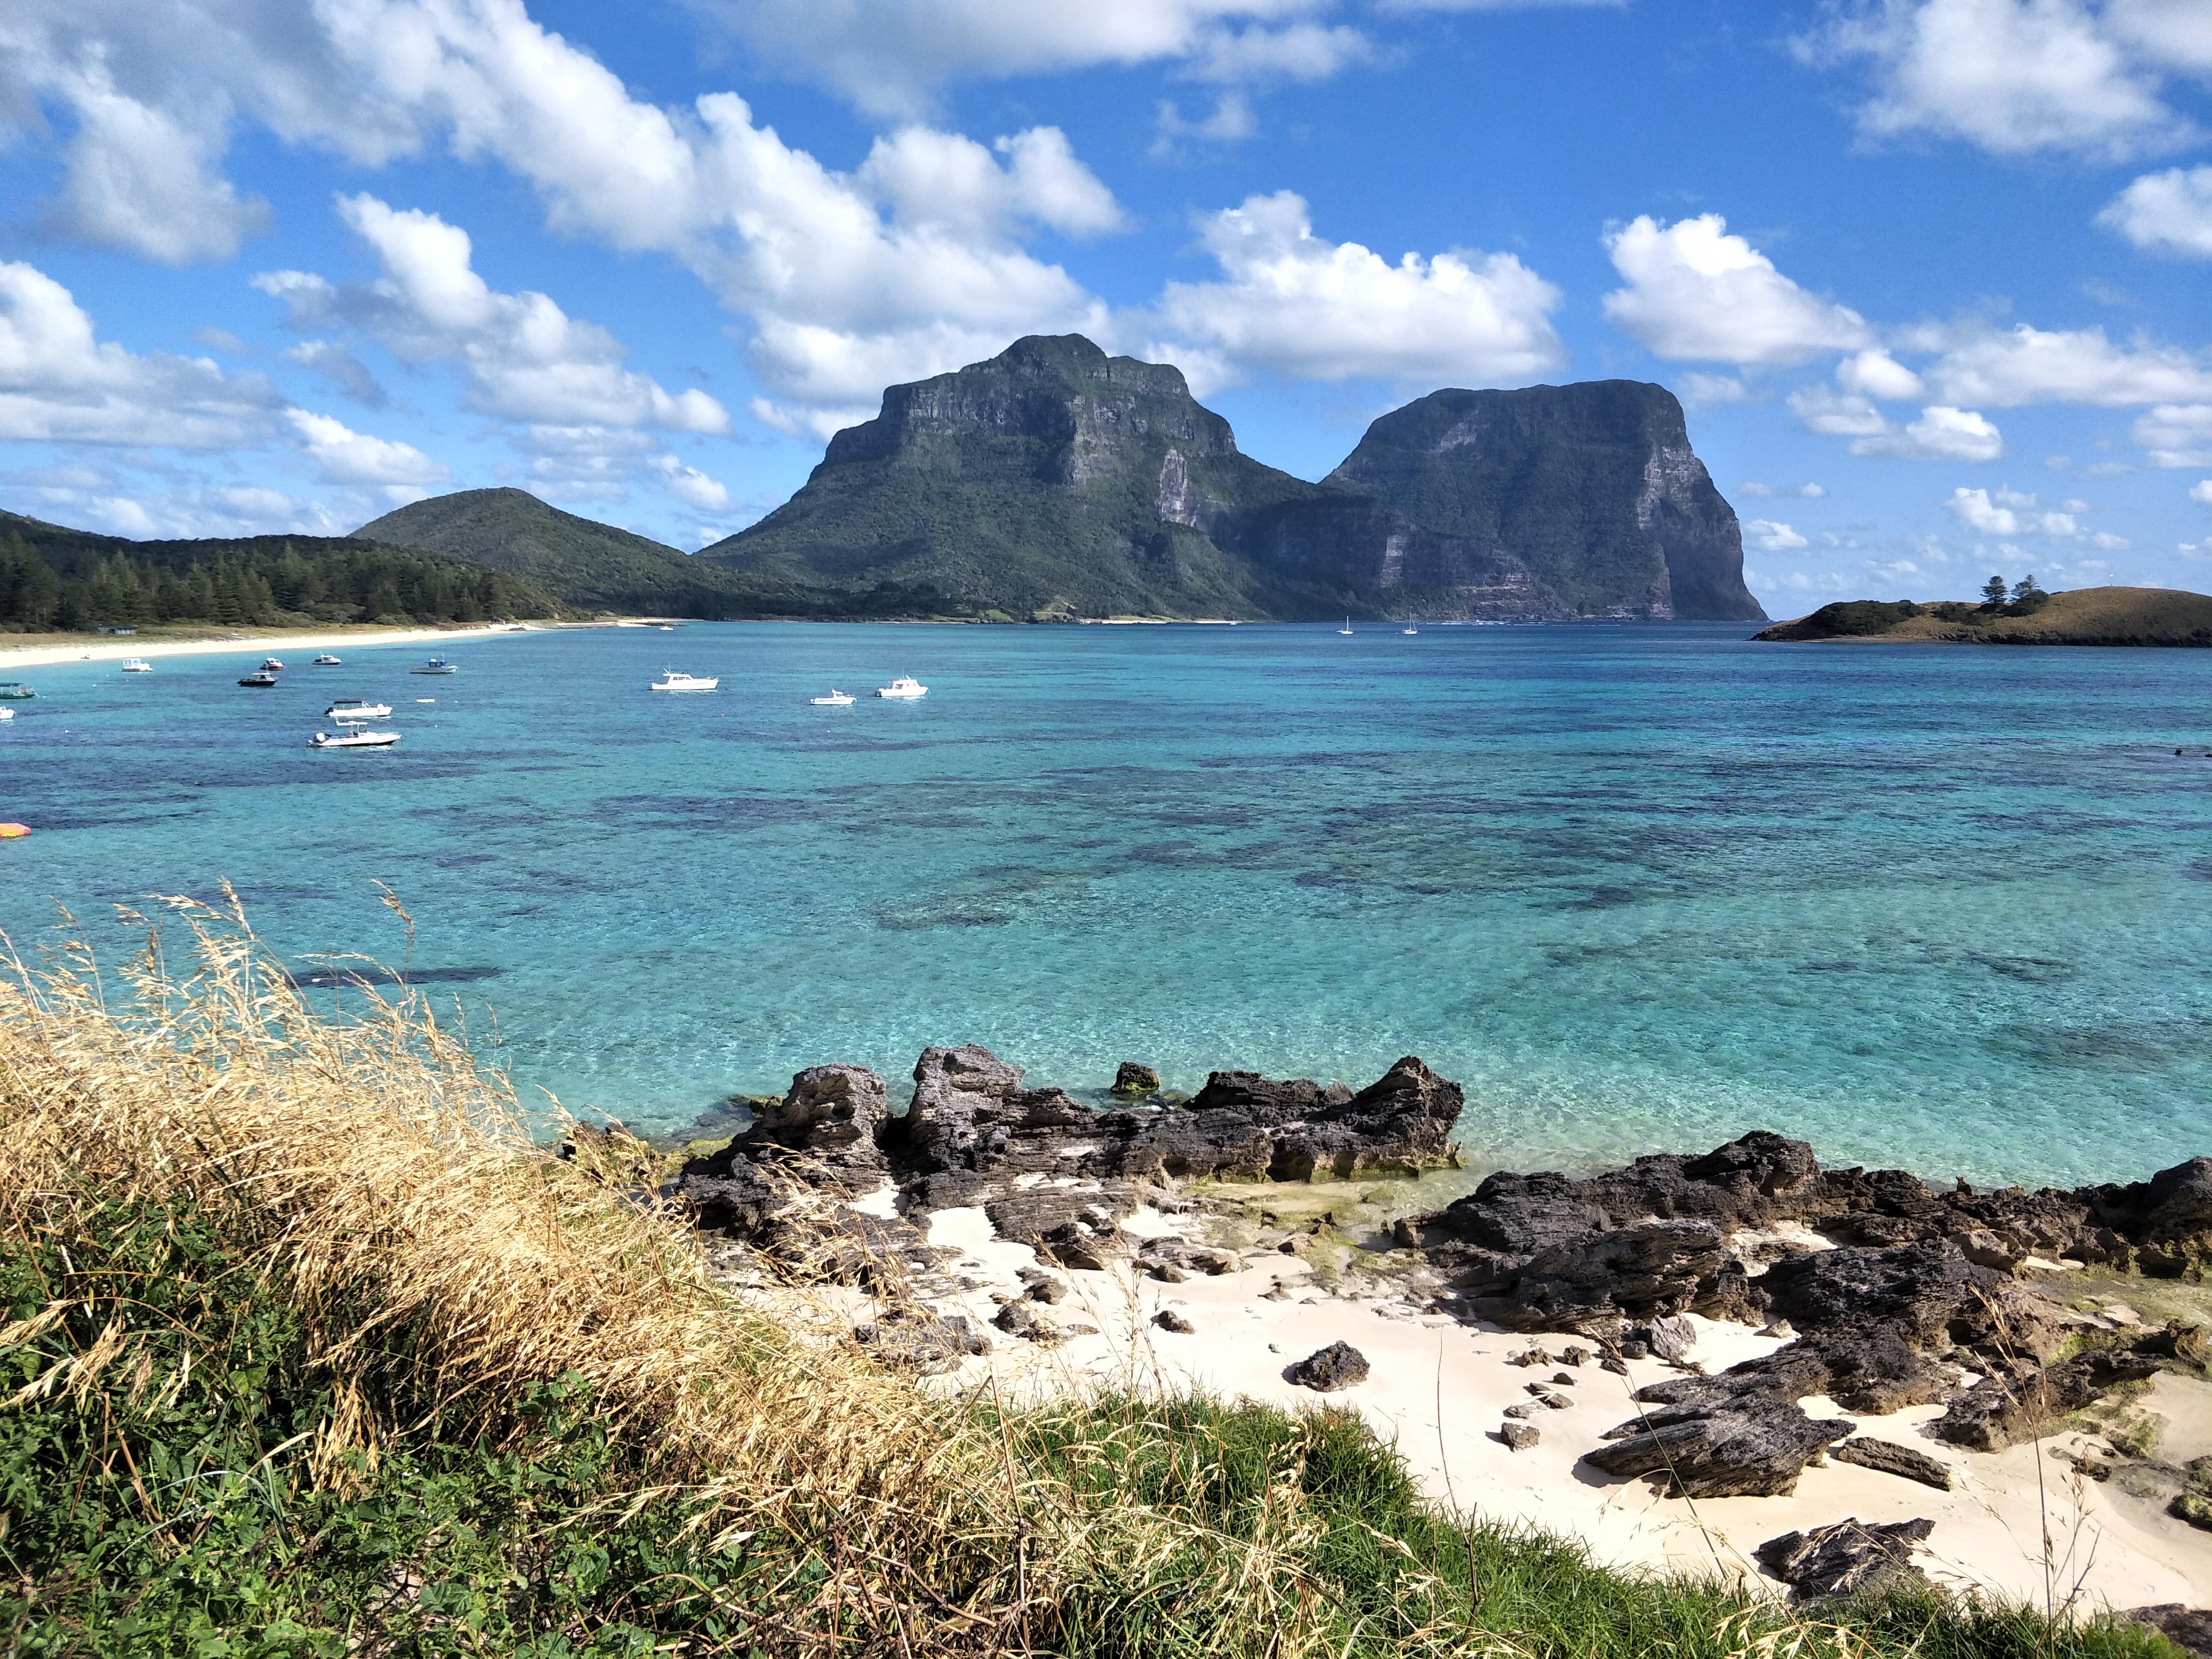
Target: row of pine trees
x,y
254,583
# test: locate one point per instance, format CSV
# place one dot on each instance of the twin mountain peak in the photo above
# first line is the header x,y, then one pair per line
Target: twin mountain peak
x,y
1054,482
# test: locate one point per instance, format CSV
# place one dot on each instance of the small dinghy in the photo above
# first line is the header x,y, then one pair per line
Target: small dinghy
x,y
837,699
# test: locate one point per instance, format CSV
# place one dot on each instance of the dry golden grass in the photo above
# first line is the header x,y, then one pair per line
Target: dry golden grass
x,y
439,1257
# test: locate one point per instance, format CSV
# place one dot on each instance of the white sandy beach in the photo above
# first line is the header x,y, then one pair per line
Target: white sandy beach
x,y
108,648
1437,1390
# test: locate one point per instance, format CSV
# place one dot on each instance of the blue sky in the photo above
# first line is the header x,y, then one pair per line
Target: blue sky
x,y
1931,276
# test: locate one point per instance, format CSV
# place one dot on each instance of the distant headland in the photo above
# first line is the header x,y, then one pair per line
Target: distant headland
x,y
2086,615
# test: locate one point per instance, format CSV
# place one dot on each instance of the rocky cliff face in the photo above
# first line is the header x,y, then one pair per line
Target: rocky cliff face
x,y
1054,480
1583,499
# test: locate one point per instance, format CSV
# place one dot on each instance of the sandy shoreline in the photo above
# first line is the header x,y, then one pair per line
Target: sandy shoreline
x,y
1439,1386
108,648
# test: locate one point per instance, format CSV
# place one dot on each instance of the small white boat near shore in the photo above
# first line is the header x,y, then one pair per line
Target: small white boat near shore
x,y
353,736
137,665
435,666
354,708
837,699
905,687
326,660
670,680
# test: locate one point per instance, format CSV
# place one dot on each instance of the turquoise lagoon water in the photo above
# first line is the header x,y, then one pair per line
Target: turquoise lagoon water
x,y
1635,887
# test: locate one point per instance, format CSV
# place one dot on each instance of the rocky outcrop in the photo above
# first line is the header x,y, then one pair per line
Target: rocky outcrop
x,y
1891,1289
1754,1446
1054,481
1046,1168
1906,1462
1848,1558
974,1129
1330,1369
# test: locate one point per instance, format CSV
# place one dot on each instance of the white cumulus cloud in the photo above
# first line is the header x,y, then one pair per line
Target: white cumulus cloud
x,y
1695,292
2168,212
1874,374
59,382
2018,76
2177,435
2009,511
690,486
343,456
1294,303
1942,434
2203,492
2007,369
524,357
1769,536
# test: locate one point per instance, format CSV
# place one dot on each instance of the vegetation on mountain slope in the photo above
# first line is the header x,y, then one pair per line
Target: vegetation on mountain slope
x,y
52,578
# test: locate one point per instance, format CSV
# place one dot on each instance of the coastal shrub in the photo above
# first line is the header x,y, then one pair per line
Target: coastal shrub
x,y
309,1349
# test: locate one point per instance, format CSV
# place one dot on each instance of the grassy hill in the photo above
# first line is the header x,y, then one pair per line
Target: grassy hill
x,y
2086,615
52,577
592,566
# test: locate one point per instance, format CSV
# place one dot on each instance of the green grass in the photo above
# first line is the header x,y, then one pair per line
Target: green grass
x,y
163,1494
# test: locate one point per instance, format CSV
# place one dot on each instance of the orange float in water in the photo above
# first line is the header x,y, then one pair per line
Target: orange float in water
x,y
9,831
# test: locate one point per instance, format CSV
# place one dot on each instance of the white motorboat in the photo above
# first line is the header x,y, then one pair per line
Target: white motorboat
x,y
6,714
670,680
435,666
137,665
270,665
837,699
904,687
353,736
326,660
354,708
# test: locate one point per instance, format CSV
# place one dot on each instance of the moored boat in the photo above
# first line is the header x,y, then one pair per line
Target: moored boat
x,y
837,699
16,691
137,665
353,736
6,714
270,665
326,660
671,680
435,666
355,709
259,677
905,686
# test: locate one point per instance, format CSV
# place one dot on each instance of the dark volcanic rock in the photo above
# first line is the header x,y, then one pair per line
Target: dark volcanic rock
x,y
2188,1628
2025,1402
1168,1320
1325,1371
973,1128
1598,1279
1753,1447
1132,1078
1891,1458
1928,1294
1519,1435
833,1113
920,1338
1848,1558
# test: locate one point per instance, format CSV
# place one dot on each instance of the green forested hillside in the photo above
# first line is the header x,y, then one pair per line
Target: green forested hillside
x,y
592,566
55,578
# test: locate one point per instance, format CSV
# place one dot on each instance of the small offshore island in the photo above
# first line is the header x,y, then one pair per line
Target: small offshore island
x,y
2086,616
